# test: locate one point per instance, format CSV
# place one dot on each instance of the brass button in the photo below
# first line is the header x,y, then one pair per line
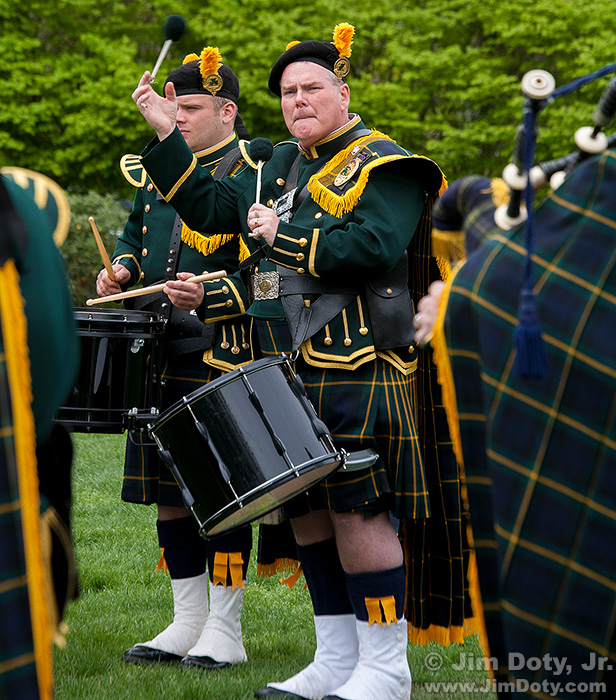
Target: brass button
x,y
142,275
144,252
235,350
318,215
246,346
389,291
150,187
328,341
229,303
270,203
347,342
303,242
411,348
300,257
363,330
224,345
300,270
147,208
225,289
280,181
144,229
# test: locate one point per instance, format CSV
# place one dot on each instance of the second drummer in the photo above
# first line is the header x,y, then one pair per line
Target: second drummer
x,y
206,334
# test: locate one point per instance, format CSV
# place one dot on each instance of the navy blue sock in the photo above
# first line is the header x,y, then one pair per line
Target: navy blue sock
x,y
184,549
378,596
228,556
325,578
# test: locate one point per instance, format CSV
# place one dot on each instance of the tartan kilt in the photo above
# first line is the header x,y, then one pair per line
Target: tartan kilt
x,y
372,406
147,479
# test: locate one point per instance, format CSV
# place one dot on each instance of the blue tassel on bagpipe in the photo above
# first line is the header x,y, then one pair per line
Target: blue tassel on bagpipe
x,y
531,360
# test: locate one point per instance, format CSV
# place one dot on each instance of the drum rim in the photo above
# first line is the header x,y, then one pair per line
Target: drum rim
x,y
282,477
91,314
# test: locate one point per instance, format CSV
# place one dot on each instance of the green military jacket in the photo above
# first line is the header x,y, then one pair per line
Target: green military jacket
x,y
143,249
43,285
365,200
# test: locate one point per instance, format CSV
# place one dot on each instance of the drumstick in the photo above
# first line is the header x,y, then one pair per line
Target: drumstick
x,y
102,250
154,288
260,151
174,29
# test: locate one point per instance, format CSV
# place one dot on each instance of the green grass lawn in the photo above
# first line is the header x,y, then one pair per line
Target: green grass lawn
x,y
124,601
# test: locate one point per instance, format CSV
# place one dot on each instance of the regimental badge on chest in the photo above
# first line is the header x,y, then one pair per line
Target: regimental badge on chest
x,y
283,206
351,167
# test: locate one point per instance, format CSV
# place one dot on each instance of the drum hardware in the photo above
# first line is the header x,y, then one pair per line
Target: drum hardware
x,y
137,344
362,459
200,425
138,420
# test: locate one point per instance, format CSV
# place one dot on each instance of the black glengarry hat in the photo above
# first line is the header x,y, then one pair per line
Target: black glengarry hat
x,y
205,75
334,55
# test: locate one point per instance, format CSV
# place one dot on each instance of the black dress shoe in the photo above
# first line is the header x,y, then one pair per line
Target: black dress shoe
x,y
279,694
140,654
204,662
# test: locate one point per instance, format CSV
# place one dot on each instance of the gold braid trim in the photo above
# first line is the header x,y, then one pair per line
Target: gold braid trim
x,y
204,244
14,333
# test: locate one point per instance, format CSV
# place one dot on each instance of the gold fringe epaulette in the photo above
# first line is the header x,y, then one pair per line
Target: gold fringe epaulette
x,y
204,244
450,245
354,163
500,191
132,170
244,251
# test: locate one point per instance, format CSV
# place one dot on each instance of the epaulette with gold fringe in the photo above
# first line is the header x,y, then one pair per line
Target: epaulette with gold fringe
x,y
202,243
132,170
338,186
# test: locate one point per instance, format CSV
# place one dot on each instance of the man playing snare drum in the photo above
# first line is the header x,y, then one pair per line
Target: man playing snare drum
x,y
206,335
343,205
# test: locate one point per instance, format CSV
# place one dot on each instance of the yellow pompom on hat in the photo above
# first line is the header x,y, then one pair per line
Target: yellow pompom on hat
x,y
205,74
333,55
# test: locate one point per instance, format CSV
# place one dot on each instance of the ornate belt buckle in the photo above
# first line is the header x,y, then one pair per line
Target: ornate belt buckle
x,y
265,285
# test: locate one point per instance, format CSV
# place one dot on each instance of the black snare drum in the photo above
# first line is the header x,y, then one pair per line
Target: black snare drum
x,y
120,358
244,444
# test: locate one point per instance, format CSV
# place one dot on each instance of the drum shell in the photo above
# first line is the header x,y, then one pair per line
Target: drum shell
x,y
120,357
264,445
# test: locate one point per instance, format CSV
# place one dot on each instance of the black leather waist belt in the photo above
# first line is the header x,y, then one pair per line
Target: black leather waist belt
x,y
272,285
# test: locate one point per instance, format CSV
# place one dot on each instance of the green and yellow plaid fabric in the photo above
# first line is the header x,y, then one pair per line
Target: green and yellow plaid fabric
x,y
540,455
